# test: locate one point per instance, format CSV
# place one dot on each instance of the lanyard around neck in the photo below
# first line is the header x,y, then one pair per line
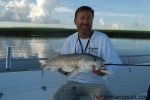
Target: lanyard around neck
x,y
82,49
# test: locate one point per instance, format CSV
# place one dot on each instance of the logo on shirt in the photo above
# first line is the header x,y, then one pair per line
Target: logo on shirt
x,y
93,51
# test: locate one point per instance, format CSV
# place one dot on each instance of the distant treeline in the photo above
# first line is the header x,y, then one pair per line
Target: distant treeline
x,y
61,32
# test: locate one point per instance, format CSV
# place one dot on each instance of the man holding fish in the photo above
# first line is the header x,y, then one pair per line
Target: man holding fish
x,y
89,84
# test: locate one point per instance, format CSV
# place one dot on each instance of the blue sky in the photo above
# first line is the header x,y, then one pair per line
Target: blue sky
x,y
109,14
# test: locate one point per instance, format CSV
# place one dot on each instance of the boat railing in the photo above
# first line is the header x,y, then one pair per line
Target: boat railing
x,y
135,59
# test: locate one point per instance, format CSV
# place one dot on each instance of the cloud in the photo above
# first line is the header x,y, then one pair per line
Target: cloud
x,y
115,26
16,11
41,12
25,11
101,22
112,14
2,3
139,22
63,9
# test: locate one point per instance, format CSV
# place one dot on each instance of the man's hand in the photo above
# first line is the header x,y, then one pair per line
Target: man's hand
x,y
97,72
63,72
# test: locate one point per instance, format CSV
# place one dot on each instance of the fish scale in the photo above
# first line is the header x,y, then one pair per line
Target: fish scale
x,y
74,63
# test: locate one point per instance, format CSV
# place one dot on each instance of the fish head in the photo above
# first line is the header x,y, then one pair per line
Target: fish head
x,y
100,61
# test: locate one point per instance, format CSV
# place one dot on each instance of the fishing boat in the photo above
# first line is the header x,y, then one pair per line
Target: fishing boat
x,y
22,79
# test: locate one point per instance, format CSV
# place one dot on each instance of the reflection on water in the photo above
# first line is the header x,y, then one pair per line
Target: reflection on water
x,y
25,47
45,47
132,46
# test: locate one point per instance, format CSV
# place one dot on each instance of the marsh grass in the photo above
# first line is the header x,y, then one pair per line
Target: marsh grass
x,y
61,32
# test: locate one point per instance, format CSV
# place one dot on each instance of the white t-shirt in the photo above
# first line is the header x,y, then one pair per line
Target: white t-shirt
x,y
99,45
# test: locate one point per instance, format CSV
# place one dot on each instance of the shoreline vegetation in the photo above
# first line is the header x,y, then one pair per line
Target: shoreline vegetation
x,y
61,32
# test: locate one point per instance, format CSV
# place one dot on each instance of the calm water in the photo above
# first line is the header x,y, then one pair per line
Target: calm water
x,y
132,46
46,47
24,47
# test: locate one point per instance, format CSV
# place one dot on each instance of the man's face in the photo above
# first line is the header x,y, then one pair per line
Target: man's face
x,y
84,21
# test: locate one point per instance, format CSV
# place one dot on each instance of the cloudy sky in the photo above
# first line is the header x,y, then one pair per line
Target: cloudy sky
x,y
109,14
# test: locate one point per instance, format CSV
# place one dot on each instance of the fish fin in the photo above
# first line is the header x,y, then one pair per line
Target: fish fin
x,y
106,72
74,72
71,74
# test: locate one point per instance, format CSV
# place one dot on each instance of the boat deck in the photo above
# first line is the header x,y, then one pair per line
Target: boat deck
x,y
21,64
26,82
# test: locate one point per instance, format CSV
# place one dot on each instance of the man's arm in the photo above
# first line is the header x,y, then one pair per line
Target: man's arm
x,y
97,72
63,72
